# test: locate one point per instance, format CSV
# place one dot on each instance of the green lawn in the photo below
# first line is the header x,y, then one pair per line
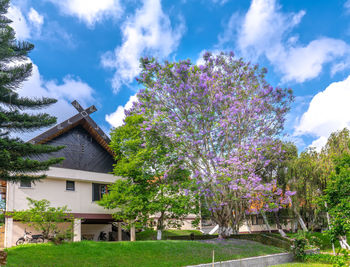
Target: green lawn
x,y
152,234
141,253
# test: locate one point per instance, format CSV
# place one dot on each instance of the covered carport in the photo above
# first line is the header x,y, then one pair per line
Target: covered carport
x,y
89,227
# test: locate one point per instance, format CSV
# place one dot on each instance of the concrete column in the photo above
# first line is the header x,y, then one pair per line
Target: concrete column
x,y
120,231
77,230
132,233
8,232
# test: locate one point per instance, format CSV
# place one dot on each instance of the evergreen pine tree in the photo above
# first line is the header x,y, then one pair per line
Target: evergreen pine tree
x,y
15,162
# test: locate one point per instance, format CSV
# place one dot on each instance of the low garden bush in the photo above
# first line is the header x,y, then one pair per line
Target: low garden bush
x,y
45,219
317,239
298,248
339,260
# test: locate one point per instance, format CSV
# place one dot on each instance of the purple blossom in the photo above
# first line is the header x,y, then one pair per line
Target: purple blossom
x,y
223,118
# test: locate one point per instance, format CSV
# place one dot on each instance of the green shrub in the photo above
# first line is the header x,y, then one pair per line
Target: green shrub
x,y
320,240
298,247
339,260
45,219
60,237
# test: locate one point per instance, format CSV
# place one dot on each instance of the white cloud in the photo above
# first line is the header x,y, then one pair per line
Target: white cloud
x,y
304,63
19,23
340,66
30,26
36,19
70,89
265,31
149,31
230,32
319,143
57,36
90,11
220,2
25,26
264,26
347,6
328,111
116,118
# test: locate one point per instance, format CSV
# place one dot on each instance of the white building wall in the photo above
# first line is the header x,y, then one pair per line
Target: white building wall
x,y
53,188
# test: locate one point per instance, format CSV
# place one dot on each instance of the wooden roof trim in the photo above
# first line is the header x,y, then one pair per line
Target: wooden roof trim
x,y
97,136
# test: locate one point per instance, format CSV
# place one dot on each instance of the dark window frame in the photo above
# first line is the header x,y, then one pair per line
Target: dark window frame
x,y
25,184
257,219
254,219
98,190
71,183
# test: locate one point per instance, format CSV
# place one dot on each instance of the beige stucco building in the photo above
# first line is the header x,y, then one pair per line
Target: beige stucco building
x,y
62,187
78,182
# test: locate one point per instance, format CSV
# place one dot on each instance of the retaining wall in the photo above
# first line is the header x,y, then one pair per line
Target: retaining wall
x,y
260,261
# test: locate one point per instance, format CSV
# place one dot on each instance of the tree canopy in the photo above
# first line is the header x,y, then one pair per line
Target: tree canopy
x,y
310,173
225,119
155,182
15,68
337,197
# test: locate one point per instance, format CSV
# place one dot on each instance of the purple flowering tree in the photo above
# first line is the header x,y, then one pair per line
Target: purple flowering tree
x,y
225,119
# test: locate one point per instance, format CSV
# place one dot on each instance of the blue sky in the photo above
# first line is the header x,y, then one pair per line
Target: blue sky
x,y
89,49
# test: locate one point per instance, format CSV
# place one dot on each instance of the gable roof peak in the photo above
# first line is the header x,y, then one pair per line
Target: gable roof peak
x,y
82,118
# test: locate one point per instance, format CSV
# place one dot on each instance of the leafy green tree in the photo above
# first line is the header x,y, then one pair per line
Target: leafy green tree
x,y
337,197
14,69
45,219
306,174
309,174
155,183
337,144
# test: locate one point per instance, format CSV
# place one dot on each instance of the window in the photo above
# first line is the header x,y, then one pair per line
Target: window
x,y
25,184
98,190
257,219
70,185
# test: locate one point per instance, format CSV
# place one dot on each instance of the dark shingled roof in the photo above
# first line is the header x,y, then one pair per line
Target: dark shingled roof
x,y
83,119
